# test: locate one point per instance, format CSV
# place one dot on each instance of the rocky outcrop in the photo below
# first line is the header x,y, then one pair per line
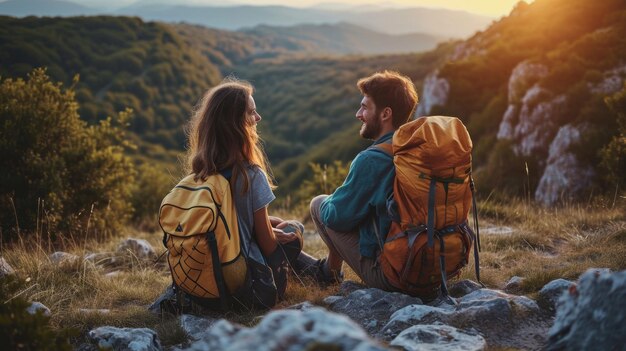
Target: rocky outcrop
x,y
564,177
592,314
125,339
612,81
435,92
532,123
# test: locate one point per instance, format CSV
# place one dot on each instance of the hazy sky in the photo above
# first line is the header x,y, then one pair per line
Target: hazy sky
x,y
494,8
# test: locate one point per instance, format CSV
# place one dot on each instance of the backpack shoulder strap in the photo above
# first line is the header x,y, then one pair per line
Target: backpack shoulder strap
x,y
385,148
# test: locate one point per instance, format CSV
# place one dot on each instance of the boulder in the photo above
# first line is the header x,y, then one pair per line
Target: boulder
x,y
592,314
514,285
371,308
36,306
550,293
5,268
287,330
504,320
125,339
139,248
438,338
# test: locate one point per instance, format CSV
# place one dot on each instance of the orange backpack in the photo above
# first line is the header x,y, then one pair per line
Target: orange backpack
x,y
429,240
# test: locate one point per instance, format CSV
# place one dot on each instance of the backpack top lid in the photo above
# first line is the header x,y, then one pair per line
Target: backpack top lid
x,y
442,142
193,207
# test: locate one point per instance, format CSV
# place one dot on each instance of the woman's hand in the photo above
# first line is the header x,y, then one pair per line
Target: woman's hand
x,y
276,221
284,237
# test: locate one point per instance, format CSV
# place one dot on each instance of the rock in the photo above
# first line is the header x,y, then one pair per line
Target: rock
x,y
168,295
434,93
551,292
36,306
194,326
463,287
61,257
349,286
438,337
514,285
289,330
371,308
306,305
125,339
564,177
505,321
100,258
5,268
137,247
592,314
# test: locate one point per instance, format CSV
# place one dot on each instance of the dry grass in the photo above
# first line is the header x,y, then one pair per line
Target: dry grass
x,y
544,244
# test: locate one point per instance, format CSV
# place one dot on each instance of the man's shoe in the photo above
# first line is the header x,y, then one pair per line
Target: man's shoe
x,y
323,275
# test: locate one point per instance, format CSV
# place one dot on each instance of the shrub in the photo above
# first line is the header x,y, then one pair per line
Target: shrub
x,y
59,173
613,155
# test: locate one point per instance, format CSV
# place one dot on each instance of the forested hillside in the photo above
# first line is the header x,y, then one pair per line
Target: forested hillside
x,y
122,62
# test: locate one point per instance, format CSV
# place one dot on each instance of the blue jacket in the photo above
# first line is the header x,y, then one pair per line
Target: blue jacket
x,y
361,201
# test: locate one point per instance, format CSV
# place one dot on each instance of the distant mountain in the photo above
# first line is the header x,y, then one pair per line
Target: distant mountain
x,y
436,22
20,8
343,38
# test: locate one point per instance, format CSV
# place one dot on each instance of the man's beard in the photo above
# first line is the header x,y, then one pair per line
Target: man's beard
x,y
371,129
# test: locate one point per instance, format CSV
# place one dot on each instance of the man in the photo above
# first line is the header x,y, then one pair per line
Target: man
x,y
353,221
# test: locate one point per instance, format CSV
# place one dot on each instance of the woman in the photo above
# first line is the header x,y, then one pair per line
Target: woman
x,y
223,137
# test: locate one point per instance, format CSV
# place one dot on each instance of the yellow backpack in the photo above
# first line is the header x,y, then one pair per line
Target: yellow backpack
x,y
429,240
201,233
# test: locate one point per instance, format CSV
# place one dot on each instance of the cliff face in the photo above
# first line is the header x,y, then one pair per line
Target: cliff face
x,y
541,76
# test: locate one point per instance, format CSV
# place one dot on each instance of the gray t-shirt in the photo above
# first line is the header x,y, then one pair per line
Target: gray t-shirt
x,y
259,195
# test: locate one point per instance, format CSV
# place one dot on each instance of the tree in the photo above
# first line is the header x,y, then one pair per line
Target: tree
x,y
58,172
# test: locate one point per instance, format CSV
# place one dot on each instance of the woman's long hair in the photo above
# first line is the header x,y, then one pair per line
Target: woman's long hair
x,y
220,137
